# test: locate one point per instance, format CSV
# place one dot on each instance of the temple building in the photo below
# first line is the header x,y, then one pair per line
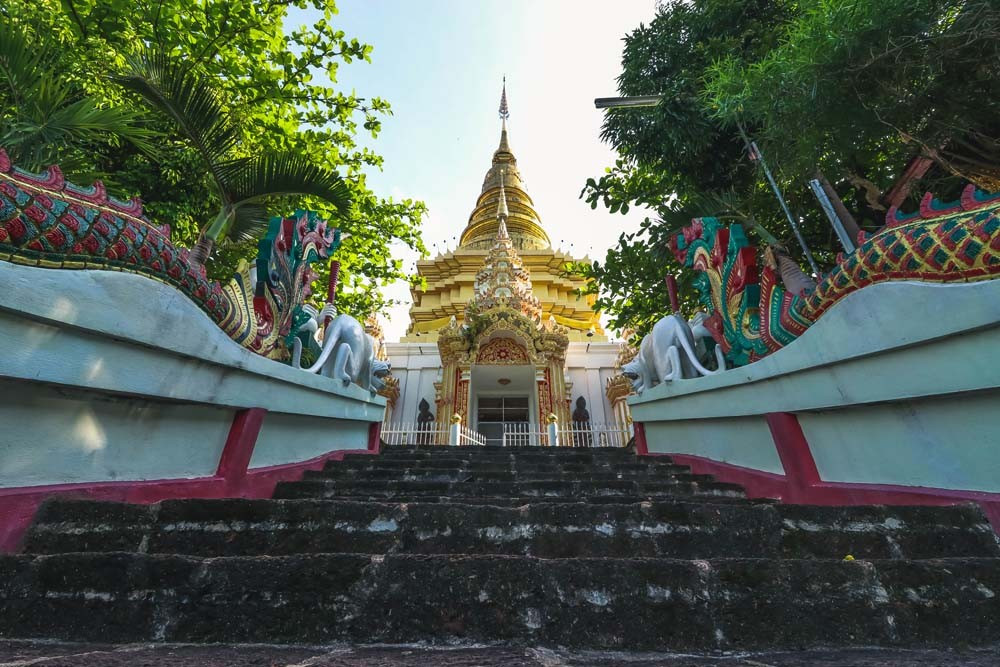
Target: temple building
x,y
500,335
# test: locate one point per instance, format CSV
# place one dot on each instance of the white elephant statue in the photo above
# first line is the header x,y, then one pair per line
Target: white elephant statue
x,y
348,353
673,350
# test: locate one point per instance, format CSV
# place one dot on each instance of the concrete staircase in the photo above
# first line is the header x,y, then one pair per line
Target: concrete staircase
x,y
577,548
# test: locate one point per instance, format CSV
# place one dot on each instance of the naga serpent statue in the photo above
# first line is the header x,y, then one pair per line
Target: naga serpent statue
x,y
48,222
752,314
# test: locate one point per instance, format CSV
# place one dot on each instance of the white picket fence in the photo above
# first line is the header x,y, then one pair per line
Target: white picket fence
x,y
574,434
525,435
429,433
594,434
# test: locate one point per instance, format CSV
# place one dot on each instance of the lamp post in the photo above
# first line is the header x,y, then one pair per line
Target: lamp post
x,y
753,151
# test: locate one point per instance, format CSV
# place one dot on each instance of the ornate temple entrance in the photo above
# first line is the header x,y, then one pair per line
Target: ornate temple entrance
x,y
503,356
501,397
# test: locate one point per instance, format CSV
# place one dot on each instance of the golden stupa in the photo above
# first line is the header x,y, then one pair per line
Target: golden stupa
x,y
451,277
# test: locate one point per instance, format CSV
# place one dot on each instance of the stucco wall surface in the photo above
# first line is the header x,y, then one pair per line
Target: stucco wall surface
x,y
896,384
110,376
741,441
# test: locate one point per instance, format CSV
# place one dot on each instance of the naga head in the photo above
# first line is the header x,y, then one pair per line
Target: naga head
x,y
380,369
633,371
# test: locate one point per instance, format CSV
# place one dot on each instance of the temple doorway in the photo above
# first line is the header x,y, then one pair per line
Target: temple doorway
x,y
494,413
502,396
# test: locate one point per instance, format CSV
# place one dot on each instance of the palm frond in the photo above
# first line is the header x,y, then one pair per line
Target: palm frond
x,y
185,95
50,120
22,65
250,181
249,221
81,122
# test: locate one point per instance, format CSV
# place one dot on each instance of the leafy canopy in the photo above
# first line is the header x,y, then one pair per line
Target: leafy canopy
x,y
853,89
266,75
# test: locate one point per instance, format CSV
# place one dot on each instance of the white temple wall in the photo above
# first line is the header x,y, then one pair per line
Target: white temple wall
x,y
588,367
418,367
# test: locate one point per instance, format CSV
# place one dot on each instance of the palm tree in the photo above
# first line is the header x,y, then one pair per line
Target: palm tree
x,y
46,119
243,184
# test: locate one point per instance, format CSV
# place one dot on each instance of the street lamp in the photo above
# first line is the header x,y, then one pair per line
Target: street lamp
x,y
634,101
752,149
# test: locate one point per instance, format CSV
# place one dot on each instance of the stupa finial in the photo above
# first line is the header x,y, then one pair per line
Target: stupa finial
x,y
504,112
504,115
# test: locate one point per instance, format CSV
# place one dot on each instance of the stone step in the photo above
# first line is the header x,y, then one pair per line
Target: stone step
x,y
519,501
327,488
244,527
555,530
505,451
553,455
879,531
644,603
458,464
674,529
458,474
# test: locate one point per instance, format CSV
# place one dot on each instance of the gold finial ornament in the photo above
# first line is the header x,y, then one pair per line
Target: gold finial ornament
x,y
456,418
553,419
504,111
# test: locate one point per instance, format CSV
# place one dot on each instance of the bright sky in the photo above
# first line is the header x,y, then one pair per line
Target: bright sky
x,y
440,62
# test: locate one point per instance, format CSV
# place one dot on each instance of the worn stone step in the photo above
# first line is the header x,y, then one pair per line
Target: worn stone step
x,y
879,531
458,474
503,451
373,463
521,462
556,455
609,603
676,529
255,527
399,473
326,488
518,501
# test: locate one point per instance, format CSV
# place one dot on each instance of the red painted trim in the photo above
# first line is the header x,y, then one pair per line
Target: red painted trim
x,y
793,450
238,451
18,505
641,446
375,437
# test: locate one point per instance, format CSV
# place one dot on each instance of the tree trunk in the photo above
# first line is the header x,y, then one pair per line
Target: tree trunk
x,y
201,251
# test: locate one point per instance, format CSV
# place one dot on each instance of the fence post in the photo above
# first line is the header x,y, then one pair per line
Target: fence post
x,y
456,430
553,430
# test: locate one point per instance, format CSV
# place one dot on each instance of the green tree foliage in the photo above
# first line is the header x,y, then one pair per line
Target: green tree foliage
x,y
271,81
868,84
854,89
45,117
243,183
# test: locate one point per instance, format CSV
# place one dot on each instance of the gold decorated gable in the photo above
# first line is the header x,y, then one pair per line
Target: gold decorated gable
x,y
502,352
541,342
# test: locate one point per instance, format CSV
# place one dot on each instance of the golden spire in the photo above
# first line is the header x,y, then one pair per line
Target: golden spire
x,y
504,115
521,220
